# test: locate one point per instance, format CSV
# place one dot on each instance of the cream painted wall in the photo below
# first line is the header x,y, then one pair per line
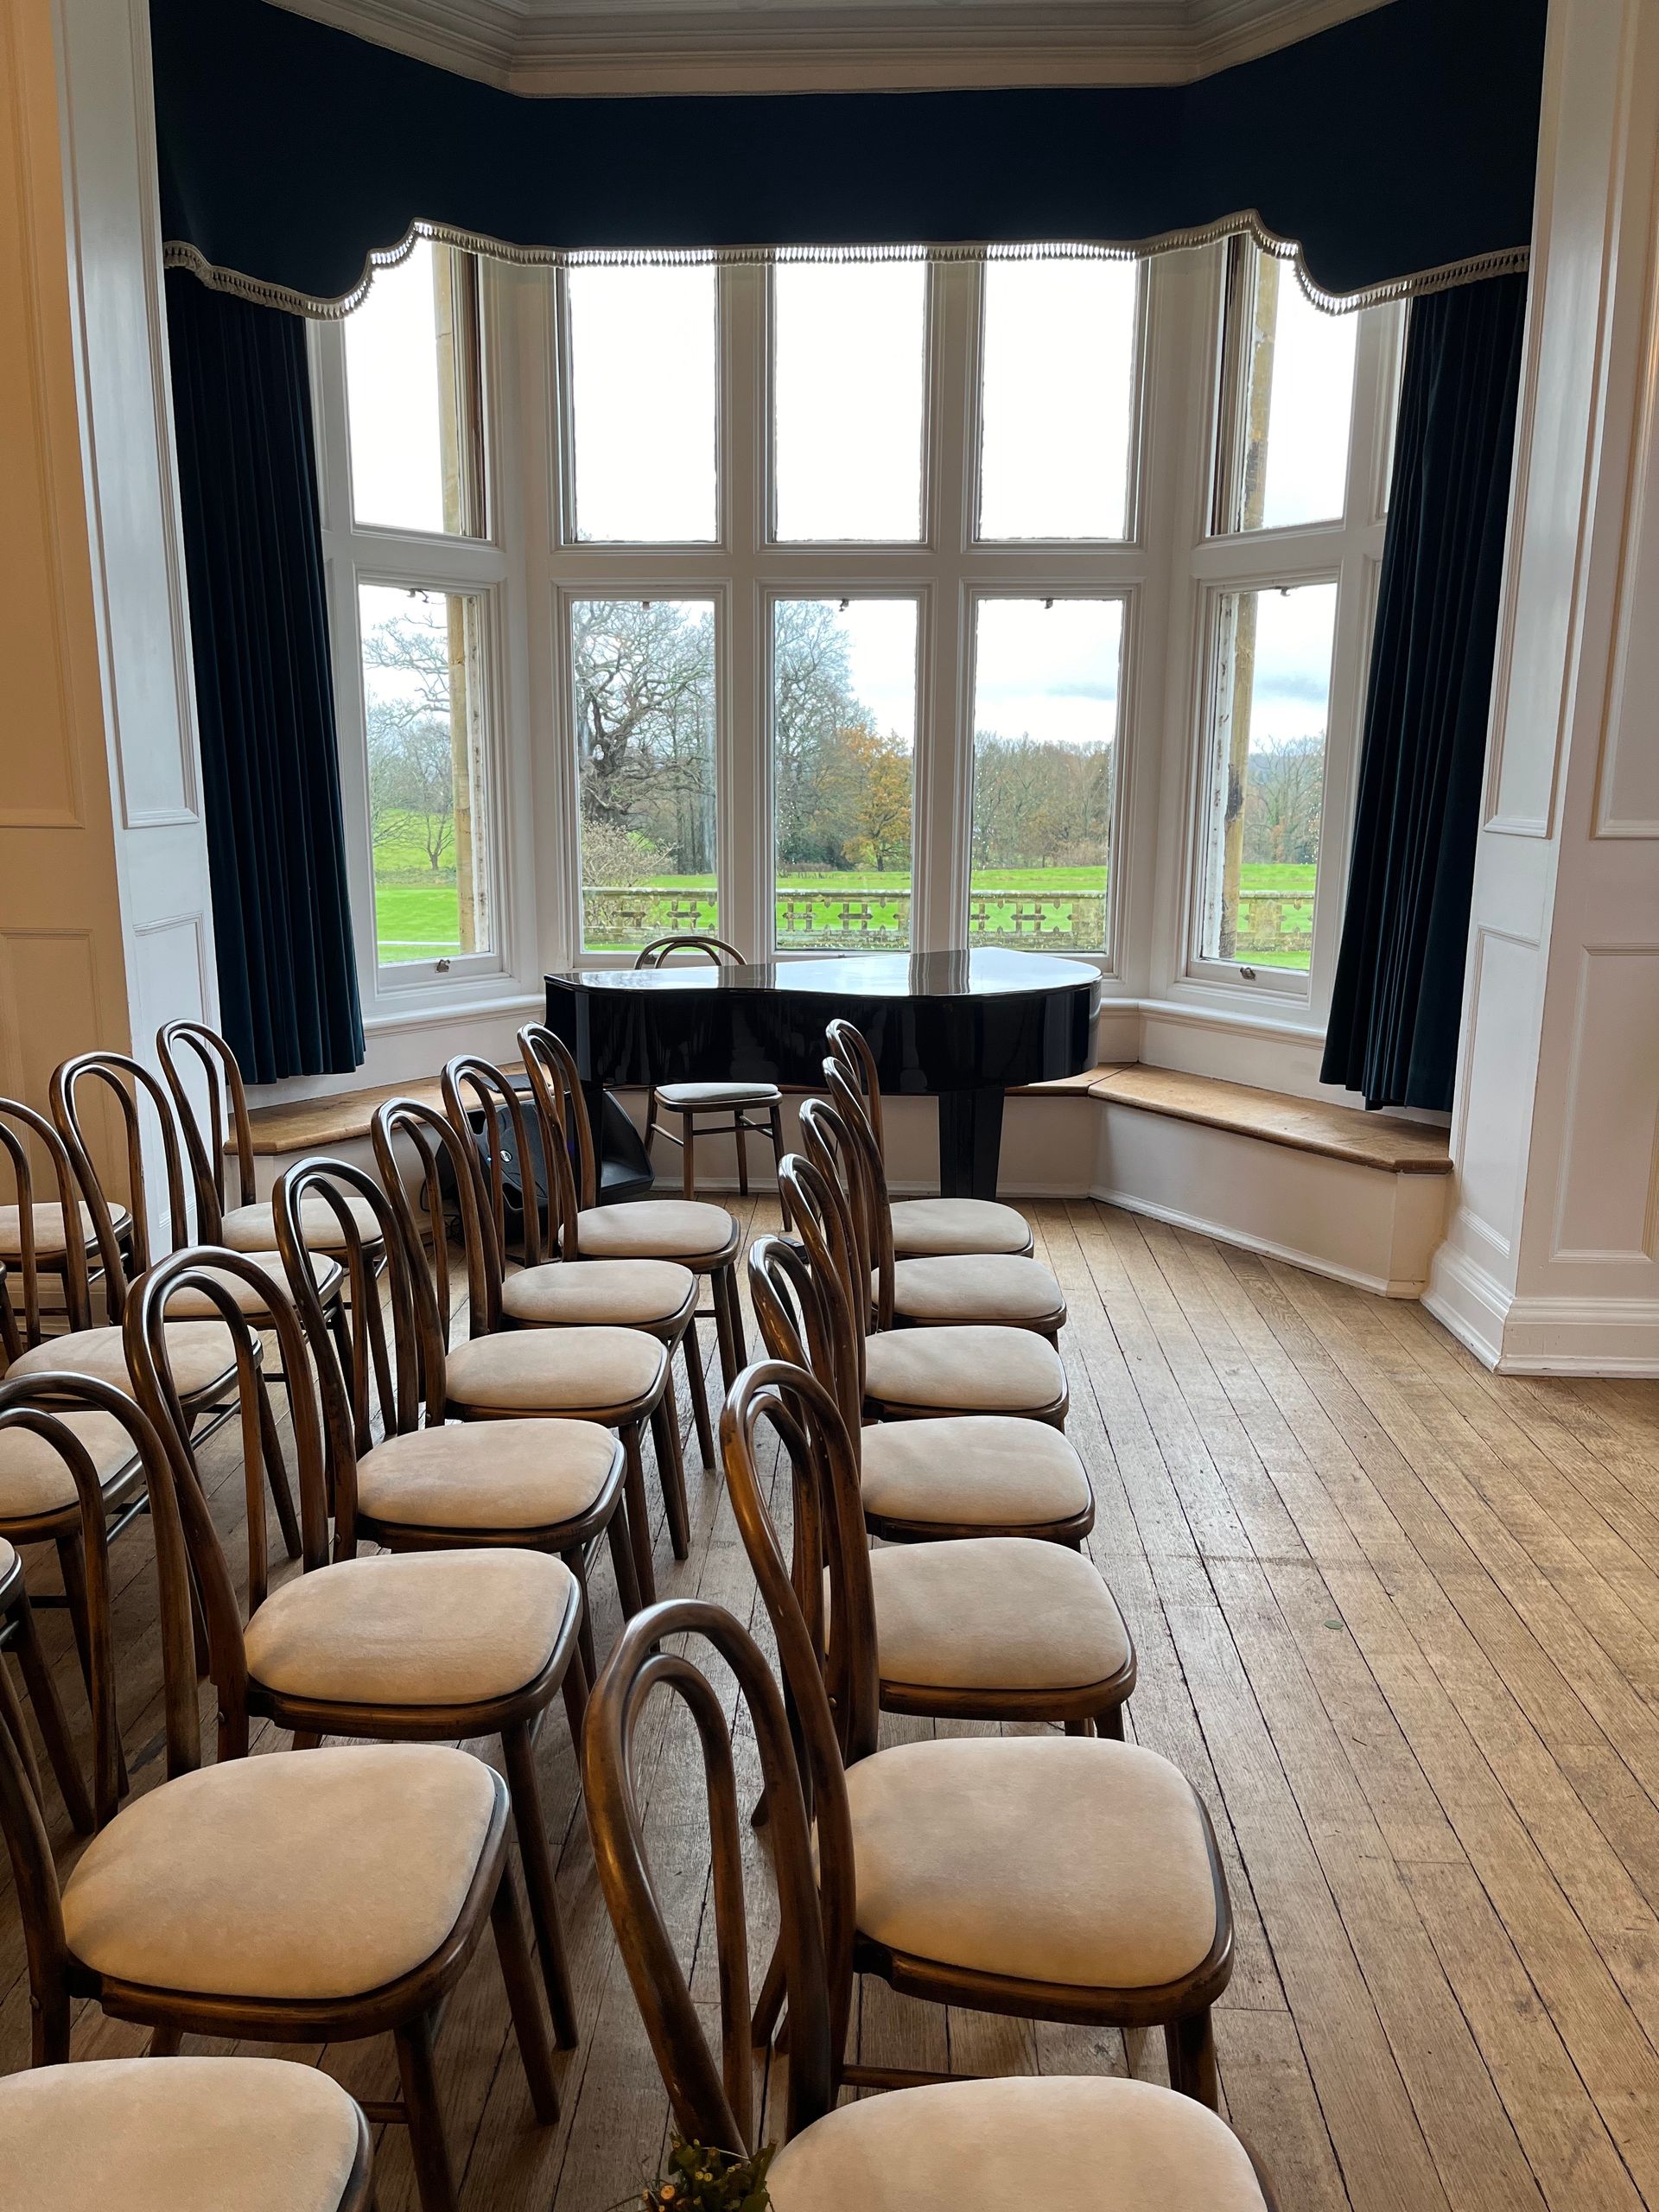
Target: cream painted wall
x,y
63,961
1552,1261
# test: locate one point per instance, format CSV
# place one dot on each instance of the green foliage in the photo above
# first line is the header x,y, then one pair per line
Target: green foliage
x,y
701,2180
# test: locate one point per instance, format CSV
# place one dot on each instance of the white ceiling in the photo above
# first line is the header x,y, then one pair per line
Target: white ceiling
x,y
581,46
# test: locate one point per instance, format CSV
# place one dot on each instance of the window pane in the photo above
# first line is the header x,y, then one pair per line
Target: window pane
x,y
1045,689
1297,400
1267,777
642,402
643,676
411,393
849,346
843,743
1058,398
424,694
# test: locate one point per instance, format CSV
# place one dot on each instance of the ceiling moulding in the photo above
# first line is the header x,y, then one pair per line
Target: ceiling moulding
x,y
595,47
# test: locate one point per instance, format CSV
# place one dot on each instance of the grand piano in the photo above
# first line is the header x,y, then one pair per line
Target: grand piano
x,y
960,1027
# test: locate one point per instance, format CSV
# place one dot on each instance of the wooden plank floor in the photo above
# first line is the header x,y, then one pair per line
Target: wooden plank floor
x,y
1397,1619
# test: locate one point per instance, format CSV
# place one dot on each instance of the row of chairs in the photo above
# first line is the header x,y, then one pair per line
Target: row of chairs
x,y
916,1393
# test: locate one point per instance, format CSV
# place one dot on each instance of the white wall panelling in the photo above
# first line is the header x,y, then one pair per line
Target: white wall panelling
x,y
1550,1261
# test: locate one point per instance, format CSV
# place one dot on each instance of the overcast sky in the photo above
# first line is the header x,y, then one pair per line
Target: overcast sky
x,y
849,377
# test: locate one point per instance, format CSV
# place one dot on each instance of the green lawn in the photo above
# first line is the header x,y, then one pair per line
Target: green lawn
x,y
415,913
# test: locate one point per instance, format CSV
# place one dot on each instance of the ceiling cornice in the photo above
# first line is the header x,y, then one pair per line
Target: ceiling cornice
x,y
595,48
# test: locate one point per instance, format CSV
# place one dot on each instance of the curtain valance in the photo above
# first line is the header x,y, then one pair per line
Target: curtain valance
x,y
1396,149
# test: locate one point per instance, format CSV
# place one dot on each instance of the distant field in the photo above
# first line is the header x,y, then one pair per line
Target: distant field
x,y
414,911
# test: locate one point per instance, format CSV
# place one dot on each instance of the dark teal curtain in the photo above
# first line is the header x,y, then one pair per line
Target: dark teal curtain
x,y
265,689
1398,995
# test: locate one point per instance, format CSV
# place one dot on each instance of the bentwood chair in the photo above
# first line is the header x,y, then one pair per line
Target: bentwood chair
x,y
317,1898
687,1100
1093,2143
204,1345
937,1475
987,1628
617,1378
1008,1289
543,1485
192,2135
34,1240
658,1296
402,1648
222,1132
927,1228
1043,1877
18,1632
956,1368
703,1237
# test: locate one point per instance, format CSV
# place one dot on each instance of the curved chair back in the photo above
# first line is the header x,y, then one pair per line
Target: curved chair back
x,y
131,1085
388,1355
213,1272
40,1404
712,2093
567,1133
471,1084
851,1048
867,1181
824,1226
23,1134
209,1142
447,1167
714,948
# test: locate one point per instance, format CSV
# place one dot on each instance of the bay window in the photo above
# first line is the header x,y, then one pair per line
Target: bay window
x,y
856,600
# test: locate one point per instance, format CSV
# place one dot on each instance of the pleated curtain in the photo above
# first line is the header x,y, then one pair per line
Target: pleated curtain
x,y
264,691
1398,993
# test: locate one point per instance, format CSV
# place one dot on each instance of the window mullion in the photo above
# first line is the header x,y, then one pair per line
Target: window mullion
x,y
945,753
744,845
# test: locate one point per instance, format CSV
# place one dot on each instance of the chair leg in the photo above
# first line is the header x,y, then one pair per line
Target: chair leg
x,y
12,1720
540,1886
687,1171
770,2003
1081,1727
576,1561
48,1714
776,1116
435,2181
527,2023
574,1686
270,1450
741,1139
1110,1723
634,1484
670,1469
71,1565
164,2041
691,1352
726,1294
1190,2045
628,1582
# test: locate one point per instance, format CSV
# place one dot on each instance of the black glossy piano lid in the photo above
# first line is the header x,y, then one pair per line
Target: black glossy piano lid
x,y
937,1021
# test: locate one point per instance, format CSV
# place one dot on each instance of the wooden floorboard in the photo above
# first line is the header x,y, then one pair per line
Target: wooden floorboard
x,y
1397,1618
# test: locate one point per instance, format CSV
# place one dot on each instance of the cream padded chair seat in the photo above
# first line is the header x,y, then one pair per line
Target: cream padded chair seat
x,y
34,1476
935,1228
227,1881
708,1094
977,1286
554,1370
253,1229
990,1469
176,2135
491,1474
654,1229
969,1368
8,1558
995,1612
47,1221
635,1293
196,1304
1056,1859
1079,2144
201,1354
413,1628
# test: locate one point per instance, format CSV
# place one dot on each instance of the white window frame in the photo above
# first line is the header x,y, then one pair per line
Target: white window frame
x,y
357,554
1347,552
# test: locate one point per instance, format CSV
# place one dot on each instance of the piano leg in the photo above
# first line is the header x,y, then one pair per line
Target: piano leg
x,y
970,1142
